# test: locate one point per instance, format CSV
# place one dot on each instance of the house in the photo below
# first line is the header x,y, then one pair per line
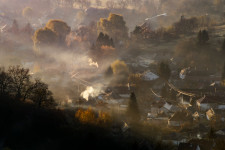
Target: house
x,y
208,102
203,143
174,138
179,119
149,76
168,108
188,146
220,132
155,107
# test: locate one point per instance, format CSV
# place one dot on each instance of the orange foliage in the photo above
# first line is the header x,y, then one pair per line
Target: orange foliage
x,y
104,118
90,117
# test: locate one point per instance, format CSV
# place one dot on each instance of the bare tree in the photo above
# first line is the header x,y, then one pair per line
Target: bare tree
x,y
20,78
83,4
41,95
110,4
5,80
67,3
123,4
98,3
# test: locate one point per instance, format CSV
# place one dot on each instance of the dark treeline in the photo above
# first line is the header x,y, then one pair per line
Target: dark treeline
x,y
16,83
31,122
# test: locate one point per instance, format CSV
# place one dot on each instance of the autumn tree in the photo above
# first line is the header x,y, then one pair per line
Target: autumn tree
x,y
120,71
119,67
27,12
60,28
114,26
133,111
44,37
164,71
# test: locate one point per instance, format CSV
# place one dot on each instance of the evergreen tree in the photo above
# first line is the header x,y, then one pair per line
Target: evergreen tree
x,y
15,27
164,71
104,40
223,47
109,72
223,74
132,110
203,36
211,134
200,36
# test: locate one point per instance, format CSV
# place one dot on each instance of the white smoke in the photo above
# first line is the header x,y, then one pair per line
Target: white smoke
x,y
92,63
90,92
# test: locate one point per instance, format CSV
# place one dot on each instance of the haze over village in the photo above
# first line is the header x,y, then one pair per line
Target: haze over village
x,y
112,74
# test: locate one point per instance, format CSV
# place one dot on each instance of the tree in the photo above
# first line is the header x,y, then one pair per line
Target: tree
x,y
223,75
20,79
119,68
123,4
42,96
83,4
16,83
211,134
137,33
109,72
43,37
27,30
5,80
104,40
165,92
120,71
223,46
60,28
27,12
203,37
135,3
110,4
15,27
67,3
164,71
98,3
114,26
132,110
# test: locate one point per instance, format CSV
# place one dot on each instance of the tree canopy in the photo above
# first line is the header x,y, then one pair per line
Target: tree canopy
x,y
44,37
164,71
133,110
60,28
114,26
